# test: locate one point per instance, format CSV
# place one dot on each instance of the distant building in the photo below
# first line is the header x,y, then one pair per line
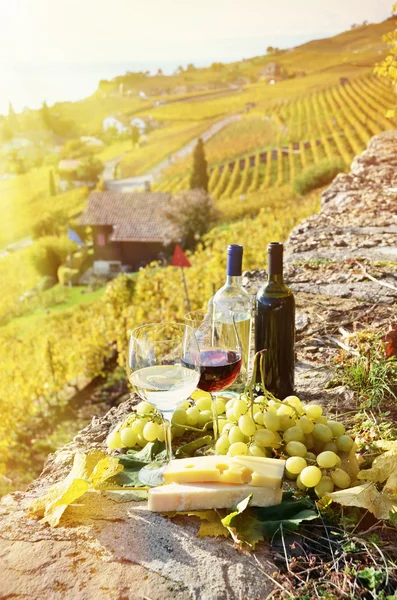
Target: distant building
x,y
271,72
128,228
91,141
123,124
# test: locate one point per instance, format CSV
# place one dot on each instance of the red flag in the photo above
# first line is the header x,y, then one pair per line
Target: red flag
x,y
179,259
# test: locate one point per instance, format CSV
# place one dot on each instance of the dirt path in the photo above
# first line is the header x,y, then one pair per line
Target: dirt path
x,y
134,183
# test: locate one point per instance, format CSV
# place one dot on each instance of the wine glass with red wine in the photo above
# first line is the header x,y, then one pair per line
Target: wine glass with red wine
x,y
220,356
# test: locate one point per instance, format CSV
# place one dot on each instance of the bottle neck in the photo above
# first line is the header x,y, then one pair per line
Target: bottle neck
x,y
275,278
234,280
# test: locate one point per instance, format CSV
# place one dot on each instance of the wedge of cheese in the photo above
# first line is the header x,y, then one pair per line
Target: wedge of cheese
x,y
239,470
205,496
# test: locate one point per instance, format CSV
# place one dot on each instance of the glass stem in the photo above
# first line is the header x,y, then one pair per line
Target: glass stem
x,y
214,417
168,438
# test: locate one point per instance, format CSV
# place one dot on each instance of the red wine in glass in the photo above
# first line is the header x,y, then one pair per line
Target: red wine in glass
x,y
219,368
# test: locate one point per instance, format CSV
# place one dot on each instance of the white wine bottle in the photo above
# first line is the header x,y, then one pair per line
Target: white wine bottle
x,y
232,296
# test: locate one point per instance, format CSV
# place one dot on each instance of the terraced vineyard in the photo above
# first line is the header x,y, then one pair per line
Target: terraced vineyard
x,y
334,122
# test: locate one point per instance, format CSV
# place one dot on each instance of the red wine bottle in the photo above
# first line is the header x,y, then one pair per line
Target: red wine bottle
x,y
275,327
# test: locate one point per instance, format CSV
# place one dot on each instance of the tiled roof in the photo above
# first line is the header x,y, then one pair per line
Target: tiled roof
x,y
135,216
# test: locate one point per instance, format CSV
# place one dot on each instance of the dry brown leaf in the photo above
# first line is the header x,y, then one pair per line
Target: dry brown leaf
x,y
366,496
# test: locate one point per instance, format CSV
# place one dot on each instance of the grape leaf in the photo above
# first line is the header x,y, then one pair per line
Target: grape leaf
x,y
134,461
367,496
384,468
88,472
252,524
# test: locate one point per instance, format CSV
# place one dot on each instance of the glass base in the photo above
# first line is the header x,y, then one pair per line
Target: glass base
x,y
152,474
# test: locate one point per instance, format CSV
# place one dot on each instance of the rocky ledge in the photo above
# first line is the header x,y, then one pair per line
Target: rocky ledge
x,y
341,263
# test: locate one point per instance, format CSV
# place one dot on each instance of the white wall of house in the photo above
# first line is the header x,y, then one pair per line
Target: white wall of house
x,y
114,123
139,124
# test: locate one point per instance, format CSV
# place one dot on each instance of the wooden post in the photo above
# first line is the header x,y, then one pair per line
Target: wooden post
x,y
186,292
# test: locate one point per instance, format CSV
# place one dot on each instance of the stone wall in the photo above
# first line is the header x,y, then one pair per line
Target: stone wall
x,y
104,549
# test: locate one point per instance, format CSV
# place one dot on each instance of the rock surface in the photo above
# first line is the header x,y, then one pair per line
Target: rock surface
x,y
104,549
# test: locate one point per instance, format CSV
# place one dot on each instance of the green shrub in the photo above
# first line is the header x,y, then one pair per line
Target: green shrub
x,y
317,175
48,253
66,275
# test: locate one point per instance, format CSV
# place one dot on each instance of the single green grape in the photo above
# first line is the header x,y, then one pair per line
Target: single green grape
x,y
344,443
313,411
311,456
239,408
193,416
185,405
264,438
322,419
338,462
150,431
255,450
204,403
296,449
271,421
161,433
277,440
294,434
306,425
247,424
138,425
128,437
259,418
230,415
295,402
177,431
289,475
205,416
220,406
144,407
236,435
286,422
113,440
324,486
285,410
310,476
222,445
309,441
322,433
221,424
141,440
337,429
340,478
260,400
327,459
272,406
237,449
300,485
295,464
229,403
179,416
331,446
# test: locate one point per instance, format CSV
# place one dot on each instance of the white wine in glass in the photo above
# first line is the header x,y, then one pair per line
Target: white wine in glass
x,y
157,369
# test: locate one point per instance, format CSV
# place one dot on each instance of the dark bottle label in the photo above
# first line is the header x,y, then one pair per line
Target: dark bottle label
x,y
275,332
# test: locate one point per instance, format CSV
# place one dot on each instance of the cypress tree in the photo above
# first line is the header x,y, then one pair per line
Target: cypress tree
x,y
199,177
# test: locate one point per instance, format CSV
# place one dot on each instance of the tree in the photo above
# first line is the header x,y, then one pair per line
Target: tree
x,y
77,149
160,72
199,177
90,169
7,131
388,67
135,135
46,116
269,49
190,215
52,186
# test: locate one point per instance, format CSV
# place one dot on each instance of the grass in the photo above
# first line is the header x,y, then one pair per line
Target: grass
x,y
161,143
64,298
369,373
114,150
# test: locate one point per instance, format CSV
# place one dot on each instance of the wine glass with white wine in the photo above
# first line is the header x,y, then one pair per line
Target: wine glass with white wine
x,y
161,375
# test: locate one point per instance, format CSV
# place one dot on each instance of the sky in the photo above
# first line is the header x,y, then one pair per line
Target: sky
x,y
38,34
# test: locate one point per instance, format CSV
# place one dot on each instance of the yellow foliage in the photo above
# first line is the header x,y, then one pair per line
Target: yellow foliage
x,y
88,472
